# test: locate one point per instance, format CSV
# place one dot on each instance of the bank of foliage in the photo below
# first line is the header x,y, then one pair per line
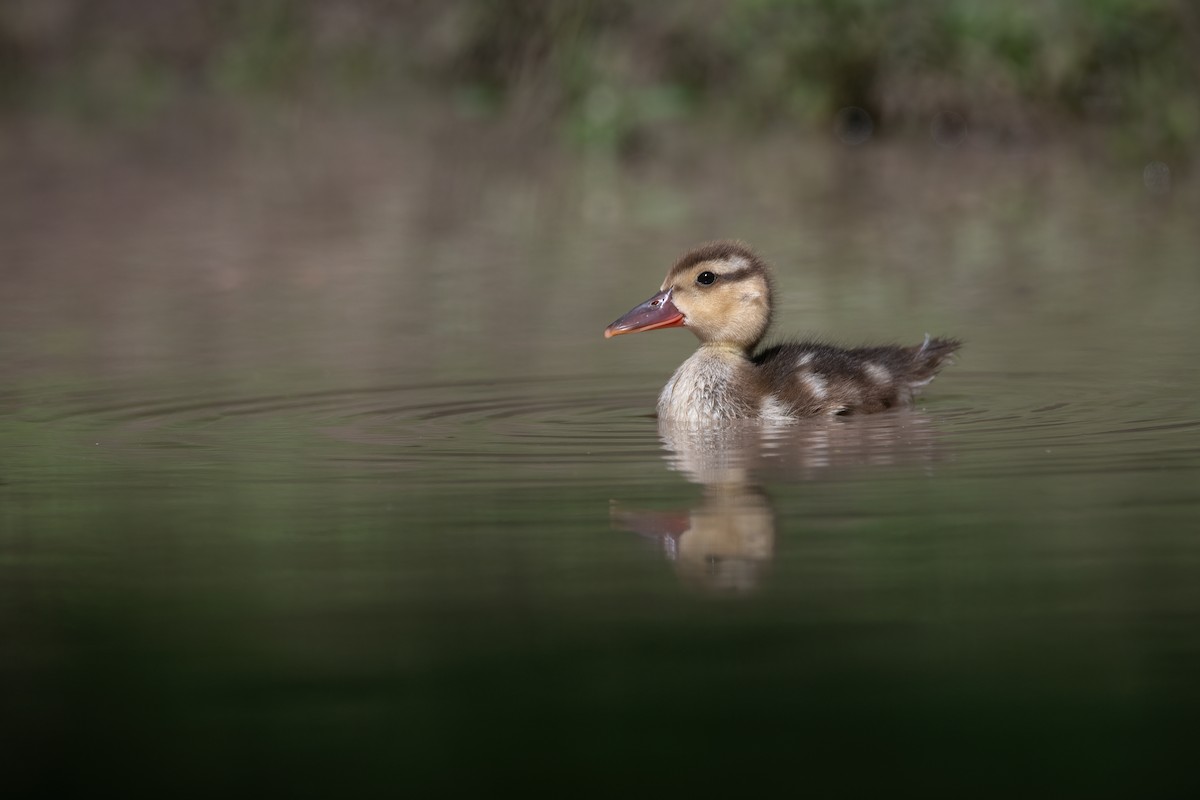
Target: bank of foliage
x,y
610,72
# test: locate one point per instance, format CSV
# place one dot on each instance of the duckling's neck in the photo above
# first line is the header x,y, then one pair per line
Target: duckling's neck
x,y
711,385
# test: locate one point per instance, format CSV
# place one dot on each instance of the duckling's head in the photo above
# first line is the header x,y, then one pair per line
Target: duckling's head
x,y
720,290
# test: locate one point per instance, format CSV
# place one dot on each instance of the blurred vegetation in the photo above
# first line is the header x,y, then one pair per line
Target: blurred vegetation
x,y
611,73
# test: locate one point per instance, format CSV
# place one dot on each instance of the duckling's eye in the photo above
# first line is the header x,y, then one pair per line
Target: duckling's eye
x,y
706,278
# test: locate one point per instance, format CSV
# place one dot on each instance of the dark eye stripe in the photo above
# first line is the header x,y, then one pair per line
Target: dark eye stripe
x,y
737,274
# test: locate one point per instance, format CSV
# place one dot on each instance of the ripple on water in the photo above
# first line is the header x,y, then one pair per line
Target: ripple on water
x,y
1051,424
478,431
581,428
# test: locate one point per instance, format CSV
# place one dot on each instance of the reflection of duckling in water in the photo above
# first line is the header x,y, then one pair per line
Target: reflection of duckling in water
x,y
739,450
723,543
722,291
727,540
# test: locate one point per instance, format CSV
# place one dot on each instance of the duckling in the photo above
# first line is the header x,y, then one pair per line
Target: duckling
x,y
722,291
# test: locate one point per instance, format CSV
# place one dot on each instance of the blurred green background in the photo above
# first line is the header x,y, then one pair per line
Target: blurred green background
x,y
626,75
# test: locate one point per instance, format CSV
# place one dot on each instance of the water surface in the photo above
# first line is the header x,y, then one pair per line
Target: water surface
x,y
317,475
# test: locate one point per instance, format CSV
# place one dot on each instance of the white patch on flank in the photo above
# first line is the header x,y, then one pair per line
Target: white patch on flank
x,y
772,409
815,384
877,373
805,360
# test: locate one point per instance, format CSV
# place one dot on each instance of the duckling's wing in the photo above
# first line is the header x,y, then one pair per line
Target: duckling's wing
x,y
916,365
817,378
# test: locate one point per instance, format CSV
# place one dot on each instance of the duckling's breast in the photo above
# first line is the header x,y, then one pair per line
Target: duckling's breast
x,y
713,384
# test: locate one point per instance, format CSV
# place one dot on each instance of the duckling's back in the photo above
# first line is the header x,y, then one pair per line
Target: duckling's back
x,y
809,378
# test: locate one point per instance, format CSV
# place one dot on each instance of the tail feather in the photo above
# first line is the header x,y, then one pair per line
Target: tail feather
x,y
928,357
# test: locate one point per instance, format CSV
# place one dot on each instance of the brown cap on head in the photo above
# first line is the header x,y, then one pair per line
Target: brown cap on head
x,y
738,255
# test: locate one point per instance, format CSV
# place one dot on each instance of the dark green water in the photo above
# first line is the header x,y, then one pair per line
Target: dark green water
x,y
317,477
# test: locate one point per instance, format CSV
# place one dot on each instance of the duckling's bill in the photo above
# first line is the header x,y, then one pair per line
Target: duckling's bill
x,y
657,312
